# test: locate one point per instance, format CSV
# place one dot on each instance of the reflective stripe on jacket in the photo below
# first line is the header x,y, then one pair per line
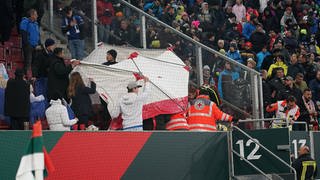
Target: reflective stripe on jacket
x,y
204,113
177,122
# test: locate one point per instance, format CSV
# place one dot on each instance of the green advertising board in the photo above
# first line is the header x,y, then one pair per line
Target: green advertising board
x,y
271,139
315,138
297,140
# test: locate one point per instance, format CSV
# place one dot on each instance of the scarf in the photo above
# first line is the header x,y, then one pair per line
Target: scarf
x,y
310,107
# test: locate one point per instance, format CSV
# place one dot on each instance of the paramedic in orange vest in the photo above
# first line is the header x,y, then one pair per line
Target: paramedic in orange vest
x,y
286,109
204,113
177,122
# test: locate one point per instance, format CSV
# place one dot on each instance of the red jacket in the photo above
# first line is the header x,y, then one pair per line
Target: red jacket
x,y
102,6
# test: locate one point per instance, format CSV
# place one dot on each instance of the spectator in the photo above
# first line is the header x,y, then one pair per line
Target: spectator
x,y
58,74
258,39
251,63
226,77
294,67
124,34
30,33
6,19
111,57
291,43
305,166
276,83
57,115
247,52
314,85
105,13
261,56
233,53
239,10
169,16
73,27
300,83
309,69
286,16
205,17
38,5
279,62
153,8
81,102
290,90
266,89
17,100
40,64
287,110
308,110
131,106
249,27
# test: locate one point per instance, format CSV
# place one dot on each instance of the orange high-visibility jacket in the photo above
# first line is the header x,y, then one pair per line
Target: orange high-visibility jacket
x,y
203,114
177,122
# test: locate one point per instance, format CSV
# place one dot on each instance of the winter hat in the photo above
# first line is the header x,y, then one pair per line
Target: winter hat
x,y
113,53
249,44
250,60
49,42
133,84
206,67
195,24
19,73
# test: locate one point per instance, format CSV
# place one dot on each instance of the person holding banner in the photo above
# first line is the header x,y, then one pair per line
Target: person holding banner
x,y
131,105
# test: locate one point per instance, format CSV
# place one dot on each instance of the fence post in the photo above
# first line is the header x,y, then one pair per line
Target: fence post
x,y
255,99
51,14
199,65
143,35
94,24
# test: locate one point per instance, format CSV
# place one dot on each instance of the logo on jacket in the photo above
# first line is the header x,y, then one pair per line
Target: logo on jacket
x,y
199,105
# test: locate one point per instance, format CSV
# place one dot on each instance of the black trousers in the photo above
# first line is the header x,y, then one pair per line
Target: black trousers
x,y
17,123
28,54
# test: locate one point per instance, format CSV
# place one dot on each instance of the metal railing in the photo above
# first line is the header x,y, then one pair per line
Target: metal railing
x,y
260,145
285,121
250,103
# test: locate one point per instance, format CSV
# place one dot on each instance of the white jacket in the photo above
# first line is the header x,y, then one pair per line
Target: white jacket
x,y
57,117
131,107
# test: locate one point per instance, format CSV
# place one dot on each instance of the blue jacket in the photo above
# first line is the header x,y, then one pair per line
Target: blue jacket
x,y
235,76
157,11
73,32
235,56
260,57
30,32
248,29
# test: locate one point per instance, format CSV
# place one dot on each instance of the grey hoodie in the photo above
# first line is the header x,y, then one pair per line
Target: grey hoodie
x,y
131,107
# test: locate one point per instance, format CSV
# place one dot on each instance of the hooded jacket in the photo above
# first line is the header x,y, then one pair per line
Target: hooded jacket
x,y
131,107
277,65
57,116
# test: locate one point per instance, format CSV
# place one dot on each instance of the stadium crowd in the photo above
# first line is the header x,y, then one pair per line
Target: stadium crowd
x,y
278,38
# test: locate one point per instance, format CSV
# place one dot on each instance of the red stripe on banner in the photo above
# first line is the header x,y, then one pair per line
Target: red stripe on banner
x,y
100,155
48,162
169,106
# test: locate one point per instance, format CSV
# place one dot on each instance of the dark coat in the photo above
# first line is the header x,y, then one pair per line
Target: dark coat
x,y
285,93
41,63
81,102
258,40
294,69
297,165
304,113
17,98
6,19
58,77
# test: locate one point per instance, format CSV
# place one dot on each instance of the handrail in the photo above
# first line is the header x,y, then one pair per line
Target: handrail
x,y
251,164
266,149
272,119
189,38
